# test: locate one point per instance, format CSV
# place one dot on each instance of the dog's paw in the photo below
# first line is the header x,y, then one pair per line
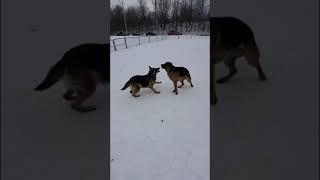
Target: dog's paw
x,y
222,80
263,78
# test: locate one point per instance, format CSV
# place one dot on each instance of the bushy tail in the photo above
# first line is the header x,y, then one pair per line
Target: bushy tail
x,y
126,85
53,76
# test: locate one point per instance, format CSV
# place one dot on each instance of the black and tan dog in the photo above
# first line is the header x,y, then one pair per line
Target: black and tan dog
x,y
82,67
177,74
231,39
143,81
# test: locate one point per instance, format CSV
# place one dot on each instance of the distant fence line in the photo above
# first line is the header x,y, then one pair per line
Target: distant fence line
x,y
126,42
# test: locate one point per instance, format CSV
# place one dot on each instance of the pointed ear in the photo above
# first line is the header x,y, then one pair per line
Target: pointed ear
x,y
149,67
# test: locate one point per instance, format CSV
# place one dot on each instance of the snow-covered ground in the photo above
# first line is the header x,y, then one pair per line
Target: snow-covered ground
x,y
161,136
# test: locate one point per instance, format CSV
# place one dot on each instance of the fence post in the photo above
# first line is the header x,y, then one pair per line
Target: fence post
x,y
149,39
114,45
139,40
125,42
162,37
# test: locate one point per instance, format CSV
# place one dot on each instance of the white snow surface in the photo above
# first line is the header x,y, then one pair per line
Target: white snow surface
x,y
160,136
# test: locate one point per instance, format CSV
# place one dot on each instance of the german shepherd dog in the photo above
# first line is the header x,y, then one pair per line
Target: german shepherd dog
x,y
231,39
82,68
143,81
177,74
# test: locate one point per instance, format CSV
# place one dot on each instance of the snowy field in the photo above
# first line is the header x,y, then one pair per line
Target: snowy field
x,y
161,136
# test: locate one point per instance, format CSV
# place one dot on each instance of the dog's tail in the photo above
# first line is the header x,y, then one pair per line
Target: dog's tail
x,y
126,85
53,76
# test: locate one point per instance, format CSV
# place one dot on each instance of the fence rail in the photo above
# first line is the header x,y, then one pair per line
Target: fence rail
x,y
118,43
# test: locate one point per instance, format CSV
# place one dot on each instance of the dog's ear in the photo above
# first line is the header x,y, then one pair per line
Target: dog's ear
x,y
150,67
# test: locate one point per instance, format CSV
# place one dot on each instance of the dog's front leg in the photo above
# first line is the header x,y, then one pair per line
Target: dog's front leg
x,y
155,91
175,87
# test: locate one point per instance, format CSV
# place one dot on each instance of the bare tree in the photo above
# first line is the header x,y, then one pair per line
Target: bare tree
x,y
183,15
164,7
132,18
175,13
142,12
200,11
155,9
116,19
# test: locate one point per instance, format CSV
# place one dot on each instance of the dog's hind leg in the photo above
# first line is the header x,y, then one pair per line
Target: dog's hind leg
x,y
261,74
83,93
68,95
135,90
230,63
252,56
189,80
182,83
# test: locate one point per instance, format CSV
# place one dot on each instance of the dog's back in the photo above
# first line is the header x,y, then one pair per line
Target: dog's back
x,y
86,58
233,32
82,68
232,38
93,57
182,71
142,80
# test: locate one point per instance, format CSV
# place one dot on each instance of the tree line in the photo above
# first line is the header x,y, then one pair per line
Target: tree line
x,y
182,15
